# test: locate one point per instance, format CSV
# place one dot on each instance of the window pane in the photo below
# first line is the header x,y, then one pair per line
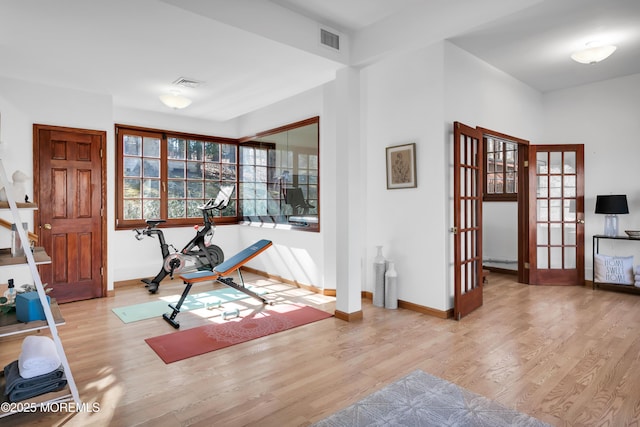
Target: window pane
x,y
543,257
194,150
543,186
194,170
132,188
151,209
228,153
193,208
132,166
151,188
176,169
211,171
555,210
176,148
151,147
555,257
176,189
543,234
556,162
132,209
542,163
569,186
555,186
195,190
261,174
261,191
151,168
177,208
229,172
569,162
212,152
313,162
247,155
132,145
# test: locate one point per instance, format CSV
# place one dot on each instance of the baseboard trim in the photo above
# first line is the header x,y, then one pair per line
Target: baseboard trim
x,y
415,307
426,310
349,317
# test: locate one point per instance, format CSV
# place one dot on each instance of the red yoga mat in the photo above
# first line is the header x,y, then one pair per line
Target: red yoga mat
x,y
204,339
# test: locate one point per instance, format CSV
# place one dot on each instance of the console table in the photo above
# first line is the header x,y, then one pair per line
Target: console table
x,y
610,286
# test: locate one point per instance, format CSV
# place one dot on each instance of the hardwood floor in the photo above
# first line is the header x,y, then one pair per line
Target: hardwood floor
x,y
569,356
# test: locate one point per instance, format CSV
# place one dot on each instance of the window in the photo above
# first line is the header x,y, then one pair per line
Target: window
x,y
279,177
501,169
170,175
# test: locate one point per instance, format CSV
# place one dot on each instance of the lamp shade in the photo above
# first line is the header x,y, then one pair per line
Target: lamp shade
x,y
593,54
612,204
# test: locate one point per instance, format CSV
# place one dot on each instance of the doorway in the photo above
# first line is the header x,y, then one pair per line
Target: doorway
x,y
550,214
69,188
506,205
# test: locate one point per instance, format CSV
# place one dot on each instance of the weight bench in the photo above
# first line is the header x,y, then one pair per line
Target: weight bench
x,y
218,274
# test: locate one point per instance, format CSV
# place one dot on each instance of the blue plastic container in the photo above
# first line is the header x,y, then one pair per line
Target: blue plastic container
x,y
29,308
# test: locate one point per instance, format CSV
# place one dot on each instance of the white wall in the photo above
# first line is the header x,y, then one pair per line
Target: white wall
x,y
500,231
605,117
402,102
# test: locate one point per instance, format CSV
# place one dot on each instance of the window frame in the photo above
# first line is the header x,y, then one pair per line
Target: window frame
x,y
163,135
522,171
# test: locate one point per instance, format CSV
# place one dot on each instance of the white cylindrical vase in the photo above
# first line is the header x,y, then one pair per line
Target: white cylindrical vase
x,y
391,287
379,268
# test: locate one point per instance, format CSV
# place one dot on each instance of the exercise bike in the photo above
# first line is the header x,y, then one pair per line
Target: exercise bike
x,y
199,253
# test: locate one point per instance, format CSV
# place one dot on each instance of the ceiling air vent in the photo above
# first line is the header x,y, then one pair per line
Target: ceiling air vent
x,y
185,82
329,39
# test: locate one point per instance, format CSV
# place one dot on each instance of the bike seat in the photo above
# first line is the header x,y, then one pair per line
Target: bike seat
x,y
154,222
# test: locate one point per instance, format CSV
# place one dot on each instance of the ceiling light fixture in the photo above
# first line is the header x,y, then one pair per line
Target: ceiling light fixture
x,y
175,100
594,52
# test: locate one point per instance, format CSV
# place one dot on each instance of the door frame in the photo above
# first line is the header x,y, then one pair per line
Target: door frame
x,y
553,276
522,199
103,187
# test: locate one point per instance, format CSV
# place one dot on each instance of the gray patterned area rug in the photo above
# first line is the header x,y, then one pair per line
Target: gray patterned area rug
x,y
421,400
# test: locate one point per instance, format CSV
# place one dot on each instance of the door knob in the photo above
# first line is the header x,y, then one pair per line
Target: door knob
x,y
580,221
47,226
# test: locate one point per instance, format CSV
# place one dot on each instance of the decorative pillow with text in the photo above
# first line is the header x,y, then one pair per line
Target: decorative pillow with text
x,y
613,269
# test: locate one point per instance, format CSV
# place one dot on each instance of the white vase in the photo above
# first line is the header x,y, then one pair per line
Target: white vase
x,y
379,270
391,287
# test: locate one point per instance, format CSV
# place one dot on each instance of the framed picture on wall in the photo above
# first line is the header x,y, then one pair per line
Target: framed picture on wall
x,y
401,166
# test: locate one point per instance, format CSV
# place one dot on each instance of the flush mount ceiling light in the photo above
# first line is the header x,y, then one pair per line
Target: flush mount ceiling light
x,y
594,52
175,100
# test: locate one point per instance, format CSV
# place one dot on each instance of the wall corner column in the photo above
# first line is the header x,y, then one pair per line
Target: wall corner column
x,y
350,196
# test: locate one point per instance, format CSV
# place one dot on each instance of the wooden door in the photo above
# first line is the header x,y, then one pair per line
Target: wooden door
x,y
467,213
556,214
69,190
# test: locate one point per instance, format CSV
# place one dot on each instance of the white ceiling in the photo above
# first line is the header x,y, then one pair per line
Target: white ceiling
x,y
251,53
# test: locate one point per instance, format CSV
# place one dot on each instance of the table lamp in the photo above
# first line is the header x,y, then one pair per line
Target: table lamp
x,y
611,206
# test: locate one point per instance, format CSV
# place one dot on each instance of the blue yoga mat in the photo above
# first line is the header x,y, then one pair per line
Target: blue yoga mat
x,y
149,310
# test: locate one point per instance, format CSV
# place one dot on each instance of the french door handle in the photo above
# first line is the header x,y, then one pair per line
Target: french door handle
x,y
580,221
